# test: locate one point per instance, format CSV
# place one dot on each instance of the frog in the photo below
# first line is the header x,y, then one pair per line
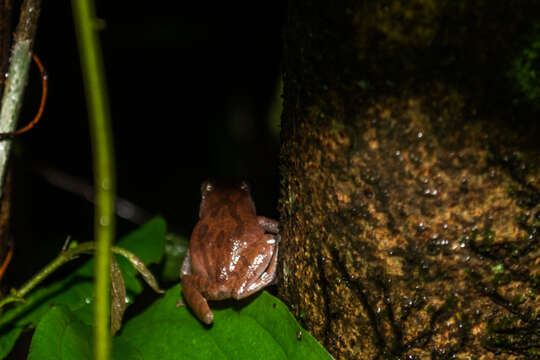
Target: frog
x,y
232,252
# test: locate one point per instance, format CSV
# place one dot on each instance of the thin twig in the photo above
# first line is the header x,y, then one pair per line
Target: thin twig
x,y
36,119
66,243
6,262
17,75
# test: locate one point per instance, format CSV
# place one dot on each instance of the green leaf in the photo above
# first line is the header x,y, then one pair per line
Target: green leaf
x,y
175,251
75,291
260,327
271,314
7,340
147,242
61,335
123,350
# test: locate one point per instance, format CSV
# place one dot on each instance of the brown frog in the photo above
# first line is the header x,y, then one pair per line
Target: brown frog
x,y
232,252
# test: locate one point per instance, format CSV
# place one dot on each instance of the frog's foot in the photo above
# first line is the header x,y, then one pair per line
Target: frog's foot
x,y
194,298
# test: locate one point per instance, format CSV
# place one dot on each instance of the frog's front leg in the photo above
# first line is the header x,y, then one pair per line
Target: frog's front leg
x,y
269,225
267,277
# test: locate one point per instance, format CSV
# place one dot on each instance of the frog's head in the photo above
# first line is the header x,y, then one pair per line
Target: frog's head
x,y
215,193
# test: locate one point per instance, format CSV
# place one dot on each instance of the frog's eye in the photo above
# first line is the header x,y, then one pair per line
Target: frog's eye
x,y
244,186
206,187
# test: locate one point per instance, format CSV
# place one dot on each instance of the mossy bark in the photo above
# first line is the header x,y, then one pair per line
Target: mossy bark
x,y
410,170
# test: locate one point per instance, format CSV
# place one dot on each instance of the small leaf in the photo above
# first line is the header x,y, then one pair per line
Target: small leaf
x,y
259,327
142,269
118,296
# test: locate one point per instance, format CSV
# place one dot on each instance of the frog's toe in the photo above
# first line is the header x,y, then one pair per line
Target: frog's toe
x,y
208,318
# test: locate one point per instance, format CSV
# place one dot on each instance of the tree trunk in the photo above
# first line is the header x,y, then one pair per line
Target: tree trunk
x,y
411,178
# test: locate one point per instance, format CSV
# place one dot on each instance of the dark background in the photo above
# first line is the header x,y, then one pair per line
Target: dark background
x,y
190,88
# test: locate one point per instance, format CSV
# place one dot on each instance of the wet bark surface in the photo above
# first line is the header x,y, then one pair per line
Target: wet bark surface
x,y
411,181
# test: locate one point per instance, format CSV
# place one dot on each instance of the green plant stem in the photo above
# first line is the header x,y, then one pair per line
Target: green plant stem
x,y
100,129
64,257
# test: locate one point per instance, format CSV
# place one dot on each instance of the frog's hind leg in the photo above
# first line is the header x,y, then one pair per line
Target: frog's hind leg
x,y
194,298
190,285
266,278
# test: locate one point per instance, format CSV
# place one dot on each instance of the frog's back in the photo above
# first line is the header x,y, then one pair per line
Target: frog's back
x,y
222,234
